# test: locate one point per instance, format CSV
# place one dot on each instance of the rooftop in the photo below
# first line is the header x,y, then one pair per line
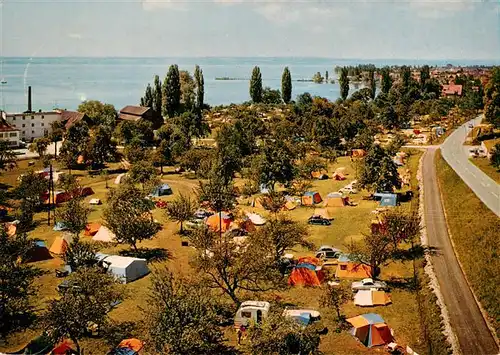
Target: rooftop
x,y
134,110
5,127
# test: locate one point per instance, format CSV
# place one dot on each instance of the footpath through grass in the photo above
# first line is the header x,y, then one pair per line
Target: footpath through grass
x,y
487,168
475,233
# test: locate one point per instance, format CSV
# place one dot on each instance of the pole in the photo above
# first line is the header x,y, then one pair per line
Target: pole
x,y
49,204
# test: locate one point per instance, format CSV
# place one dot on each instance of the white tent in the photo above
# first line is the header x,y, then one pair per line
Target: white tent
x,y
256,219
104,235
118,179
371,298
125,268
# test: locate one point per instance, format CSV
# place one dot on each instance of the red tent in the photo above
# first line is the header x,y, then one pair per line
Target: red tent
x,y
306,274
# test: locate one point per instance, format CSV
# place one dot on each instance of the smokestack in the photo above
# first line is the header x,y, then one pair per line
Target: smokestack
x,y
29,99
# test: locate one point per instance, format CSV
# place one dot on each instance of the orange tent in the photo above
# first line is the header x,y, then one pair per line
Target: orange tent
x,y
289,205
133,344
91,229
216,223
244,224
370,329
60,244
338,176
63,348
335,199
310,198
348,269
305,274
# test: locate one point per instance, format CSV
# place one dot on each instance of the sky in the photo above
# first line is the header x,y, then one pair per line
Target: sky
x,y
360,29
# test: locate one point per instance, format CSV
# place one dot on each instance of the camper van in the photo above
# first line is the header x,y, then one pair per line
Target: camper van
x,y
251,311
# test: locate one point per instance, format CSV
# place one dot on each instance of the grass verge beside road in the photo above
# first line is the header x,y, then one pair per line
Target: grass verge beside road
x,y
487,168
474,232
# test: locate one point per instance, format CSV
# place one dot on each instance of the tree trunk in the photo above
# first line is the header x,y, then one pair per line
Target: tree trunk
x,y
181,231
78,350
161,168
134,245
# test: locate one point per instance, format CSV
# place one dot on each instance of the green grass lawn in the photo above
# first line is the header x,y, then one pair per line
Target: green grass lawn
x,y
474,230
487,168
349,222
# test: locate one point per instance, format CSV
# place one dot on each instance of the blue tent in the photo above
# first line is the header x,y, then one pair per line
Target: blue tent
x,y
303,318
387,199
161,190
307,266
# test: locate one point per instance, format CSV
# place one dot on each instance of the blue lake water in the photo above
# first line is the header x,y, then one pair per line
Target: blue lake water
x,y
65,82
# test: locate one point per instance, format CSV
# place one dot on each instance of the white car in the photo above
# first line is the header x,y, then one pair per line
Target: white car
x,y
348,190
328,254
368,284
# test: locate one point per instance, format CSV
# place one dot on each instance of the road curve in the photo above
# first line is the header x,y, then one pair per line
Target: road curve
x,y
457,156
466,319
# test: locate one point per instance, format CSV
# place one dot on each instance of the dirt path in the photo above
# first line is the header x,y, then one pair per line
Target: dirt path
x,y
473,335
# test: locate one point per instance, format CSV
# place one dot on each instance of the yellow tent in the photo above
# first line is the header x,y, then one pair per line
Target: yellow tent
x,y
289,205
60,244
323,212
334,199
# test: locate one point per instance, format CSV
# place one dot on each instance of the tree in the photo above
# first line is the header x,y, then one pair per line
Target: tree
x,y
281,235
495,156
344,83
181,209
424,75
405,77
135,152
275,164
80,255
188,86
56,133
128,215
86,303
162,155
31,188
39,146
98,112
396,143
217,191
286,86
372,83
142,172
200,87
74,214
304,100
335,296
171,92
273,201
271,97
379,171
386,83
389,118
256,85
283,335
197,160
75,143
102,147
492,109
157,103
326,77
317,78
182,317
147,99
309,165
17,280
7,156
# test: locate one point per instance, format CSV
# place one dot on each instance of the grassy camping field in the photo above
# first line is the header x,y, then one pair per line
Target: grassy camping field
x,y
487,168
403,316
474,230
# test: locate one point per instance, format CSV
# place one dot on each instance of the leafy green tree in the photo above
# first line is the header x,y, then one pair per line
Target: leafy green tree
x,y
98,112
304,100
188,86
39,146
335,296
162,155
495,156
372,83
344,83
80,255
405,77
326,77
17,280
87,303
286,85
282,335
56,133
157,102
379,170
142,172
492,109
217,191
147,99
7,156
200,87
75,143
197,160
317,78
182,318
256,85
271,97
396,143
135,151
389,118
171,92
309,165
141,131
31,188
181,209
102,147
74,215
275,164
386,83
128,215
424,75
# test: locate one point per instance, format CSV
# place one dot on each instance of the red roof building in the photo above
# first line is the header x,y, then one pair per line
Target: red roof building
x,y
9,133
452,90
134,113
71,117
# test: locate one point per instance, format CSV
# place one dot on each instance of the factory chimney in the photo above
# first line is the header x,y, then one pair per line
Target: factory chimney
x,y
29,99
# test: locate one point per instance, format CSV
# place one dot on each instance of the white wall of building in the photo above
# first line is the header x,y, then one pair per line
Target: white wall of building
x,y
32,125
11,136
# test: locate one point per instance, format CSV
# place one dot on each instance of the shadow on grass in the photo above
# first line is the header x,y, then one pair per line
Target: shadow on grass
x,y
403,283
415,252
151,255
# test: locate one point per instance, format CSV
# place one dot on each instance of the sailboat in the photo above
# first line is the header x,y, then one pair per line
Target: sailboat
x,y
3,81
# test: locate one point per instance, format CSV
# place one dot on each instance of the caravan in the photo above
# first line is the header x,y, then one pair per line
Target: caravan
x,y
251,311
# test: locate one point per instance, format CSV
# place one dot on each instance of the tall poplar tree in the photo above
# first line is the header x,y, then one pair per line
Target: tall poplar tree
x,y
386,80
172,92
406,76
256,85
373,85
147,100
157,99
286,85
200,87
344,83
425,75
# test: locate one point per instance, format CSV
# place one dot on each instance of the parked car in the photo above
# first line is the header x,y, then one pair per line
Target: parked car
x,y
368,284
349,189
68,284
328,255
328,248
202,214
318,220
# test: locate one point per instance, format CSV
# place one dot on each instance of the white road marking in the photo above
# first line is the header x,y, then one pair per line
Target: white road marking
x,y
494,194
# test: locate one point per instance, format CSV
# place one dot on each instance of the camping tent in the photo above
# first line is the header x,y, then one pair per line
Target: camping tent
x,y
320,175
387,199
118,179
323,212
38,253
60,244
311,198
128,347
161,190
244,224
91,229
127,269
104,235
256,219
347,269
289,205
219,222
370,329
371,298
341,170
64,347
358,153
306,273
335,199
338,176
10,228
257,203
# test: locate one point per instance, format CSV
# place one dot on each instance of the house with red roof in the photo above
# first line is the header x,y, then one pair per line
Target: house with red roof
x,y
451,90
9,133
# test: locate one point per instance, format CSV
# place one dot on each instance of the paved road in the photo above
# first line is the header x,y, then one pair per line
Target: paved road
x,y
457,156
466,319
24,153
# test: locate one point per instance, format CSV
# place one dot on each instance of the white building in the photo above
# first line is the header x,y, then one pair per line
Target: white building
x,y
9,134
32,124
